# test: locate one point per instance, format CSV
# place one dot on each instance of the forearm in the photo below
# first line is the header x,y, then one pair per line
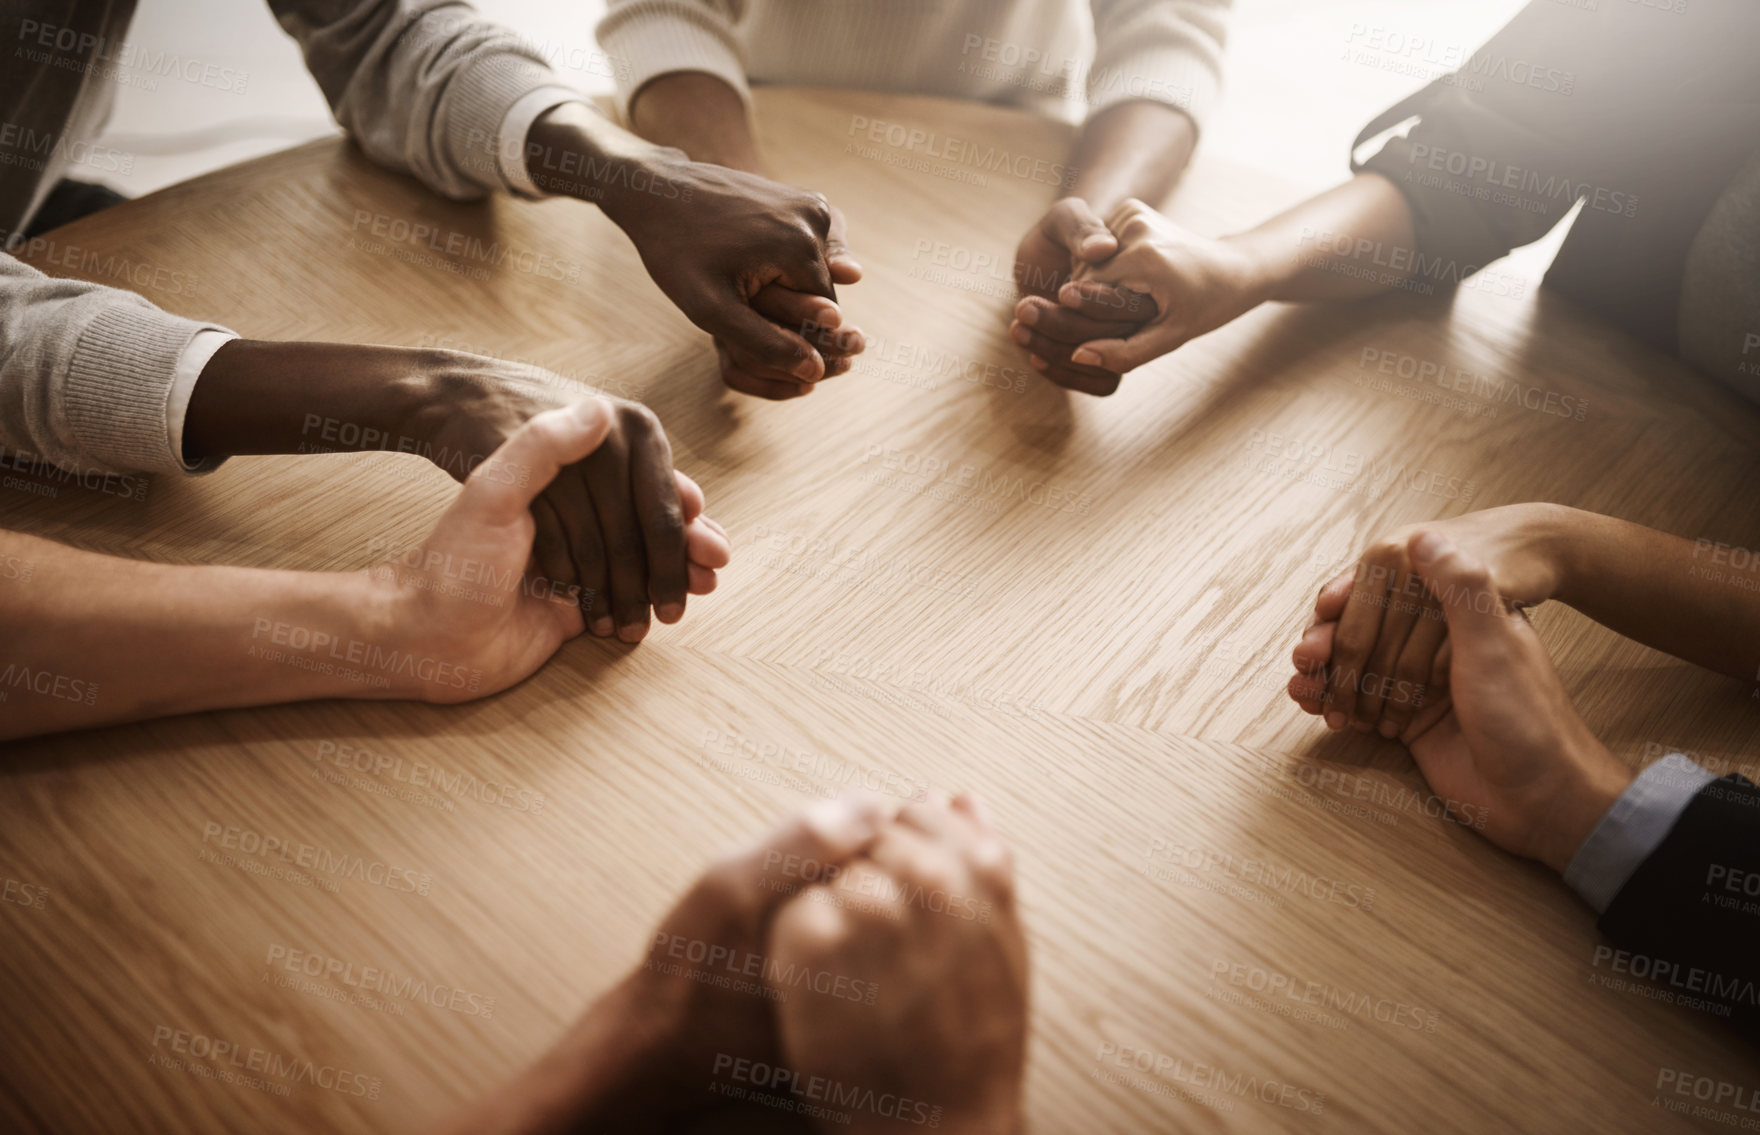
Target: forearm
x,y
94,640
1133,149
1683,597
596,1078
1352,241
257,397
699,114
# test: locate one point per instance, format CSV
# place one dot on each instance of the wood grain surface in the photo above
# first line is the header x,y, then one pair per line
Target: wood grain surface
x,y
946,572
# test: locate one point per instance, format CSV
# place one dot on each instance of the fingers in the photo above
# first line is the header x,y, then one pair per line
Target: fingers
x,y
1067,327
763,343
818,320
501,489
1334,595
569,500
1074,225
1308,686
1396,625
1412,670
612,487
663,526
706,547
1355,638
1462,585
824,835
843,264
690,496
1106,303
1051,359
550,545
1129,353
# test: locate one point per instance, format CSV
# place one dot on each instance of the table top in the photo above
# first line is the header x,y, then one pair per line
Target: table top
x,y
947,572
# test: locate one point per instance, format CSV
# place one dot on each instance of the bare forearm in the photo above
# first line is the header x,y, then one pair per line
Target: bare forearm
x,y
258,397
1353,241
94,640
1684,597
1134,149
699,114
598,1077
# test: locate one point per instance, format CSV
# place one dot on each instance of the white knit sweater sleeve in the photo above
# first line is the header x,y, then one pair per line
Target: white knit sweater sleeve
x,y
1167,51
650,38
423,86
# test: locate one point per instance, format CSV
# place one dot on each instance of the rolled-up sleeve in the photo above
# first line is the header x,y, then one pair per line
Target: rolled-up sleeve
x,y
1167,51
423,86
650,38
88,375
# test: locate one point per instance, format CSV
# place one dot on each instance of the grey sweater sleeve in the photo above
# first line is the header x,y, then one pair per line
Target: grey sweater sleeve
x,y
85,373
422,86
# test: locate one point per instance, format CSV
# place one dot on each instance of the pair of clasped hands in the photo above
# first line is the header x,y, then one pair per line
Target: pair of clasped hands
x,y
615,532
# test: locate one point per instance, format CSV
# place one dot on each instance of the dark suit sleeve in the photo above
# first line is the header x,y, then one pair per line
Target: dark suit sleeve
x,y
1565,102
1688,919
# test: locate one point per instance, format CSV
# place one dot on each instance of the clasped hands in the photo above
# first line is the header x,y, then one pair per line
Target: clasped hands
x,y
825,972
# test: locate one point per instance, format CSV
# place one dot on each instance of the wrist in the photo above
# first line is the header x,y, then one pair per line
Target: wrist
x,y
1263,269
571,151
1597,782
1562,535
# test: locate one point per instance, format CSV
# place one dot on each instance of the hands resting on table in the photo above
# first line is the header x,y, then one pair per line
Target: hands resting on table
x,y
461,614
860,969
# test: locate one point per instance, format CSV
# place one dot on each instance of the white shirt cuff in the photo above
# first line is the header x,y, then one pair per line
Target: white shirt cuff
x,y
183,384
1634,828
510,154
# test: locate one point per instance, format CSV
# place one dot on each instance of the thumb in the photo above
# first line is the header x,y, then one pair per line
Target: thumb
x,y
1122,355
502,488
1073,224
1463,585
810,847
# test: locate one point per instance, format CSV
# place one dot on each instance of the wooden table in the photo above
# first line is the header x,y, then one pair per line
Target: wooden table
x,y
947,571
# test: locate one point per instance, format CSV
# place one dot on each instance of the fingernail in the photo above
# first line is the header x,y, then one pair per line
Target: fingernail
x,y
809,368
838,815
1038,363
603,627
1029,314
587,411
632,632
670,612
1084,357
1389,730
1430,547
1020,334
1335,721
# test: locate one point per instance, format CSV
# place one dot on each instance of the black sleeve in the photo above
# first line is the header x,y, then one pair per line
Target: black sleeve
x,y
1564,103
1688,920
